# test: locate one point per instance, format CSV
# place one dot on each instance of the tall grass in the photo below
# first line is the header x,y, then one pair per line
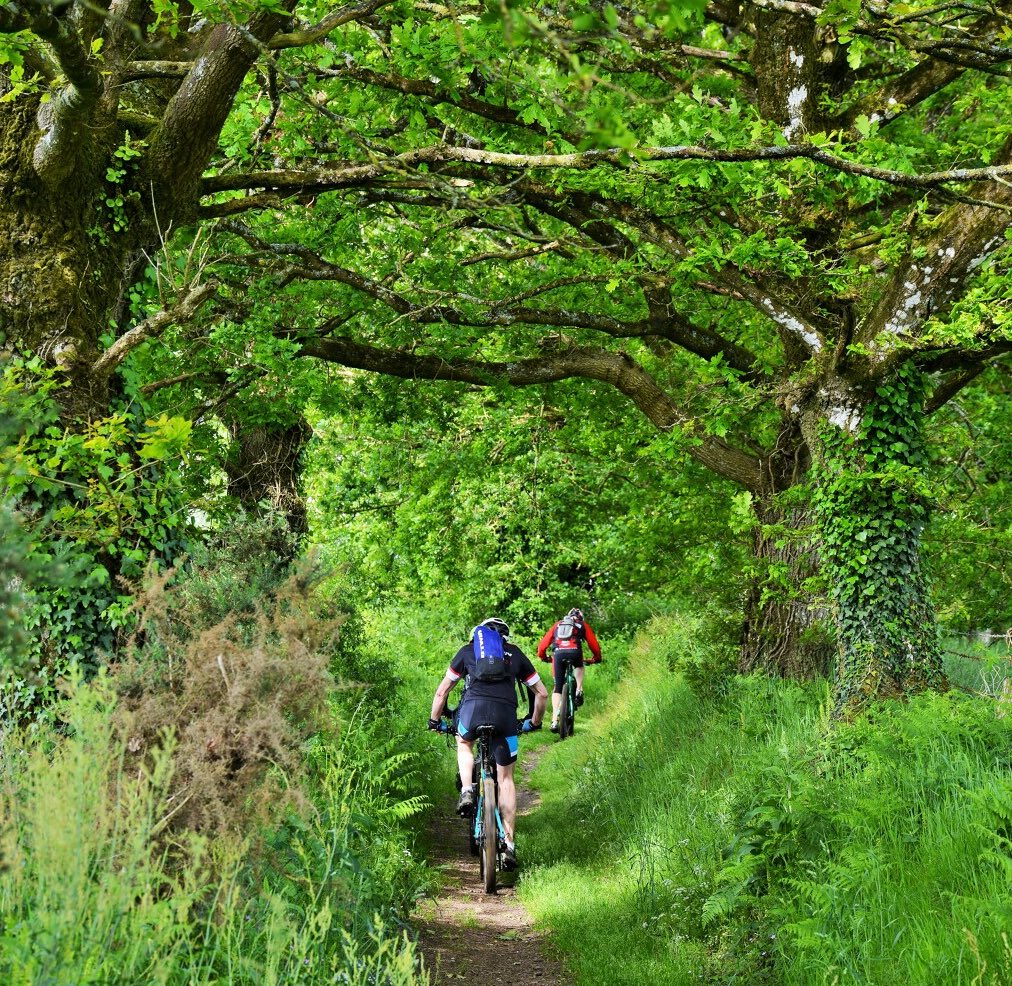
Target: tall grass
x,y
979,665
91,892
743,840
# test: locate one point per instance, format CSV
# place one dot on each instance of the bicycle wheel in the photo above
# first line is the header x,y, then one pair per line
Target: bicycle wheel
x,y
565,720
489,837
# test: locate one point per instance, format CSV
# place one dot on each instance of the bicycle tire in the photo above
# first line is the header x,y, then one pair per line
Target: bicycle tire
x,y
489,837
565,722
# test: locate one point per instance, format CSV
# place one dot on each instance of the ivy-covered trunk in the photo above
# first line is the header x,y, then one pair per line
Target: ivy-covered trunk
x,y
871,505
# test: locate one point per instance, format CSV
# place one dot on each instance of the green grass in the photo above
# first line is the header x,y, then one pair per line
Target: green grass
x,y
90,893
976,666
745,841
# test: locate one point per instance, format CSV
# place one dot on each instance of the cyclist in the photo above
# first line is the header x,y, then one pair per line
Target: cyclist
x,y
565,640
491,702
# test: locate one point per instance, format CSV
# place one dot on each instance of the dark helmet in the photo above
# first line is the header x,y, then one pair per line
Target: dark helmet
x,y
576,614
494,623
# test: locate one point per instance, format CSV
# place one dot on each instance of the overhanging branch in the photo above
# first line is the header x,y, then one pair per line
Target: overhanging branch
x,y
152,327
619,370
334,20
353,174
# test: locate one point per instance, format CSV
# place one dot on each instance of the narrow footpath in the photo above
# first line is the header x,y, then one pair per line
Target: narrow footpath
x,y
468,937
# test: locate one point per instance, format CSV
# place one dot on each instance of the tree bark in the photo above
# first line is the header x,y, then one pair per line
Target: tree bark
x,y
786,629
58,284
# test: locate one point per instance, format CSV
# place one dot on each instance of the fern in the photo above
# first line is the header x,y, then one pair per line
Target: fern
x,y
401,811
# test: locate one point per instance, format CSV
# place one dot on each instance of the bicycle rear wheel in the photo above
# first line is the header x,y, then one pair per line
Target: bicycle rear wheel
x,y
565,720
489,837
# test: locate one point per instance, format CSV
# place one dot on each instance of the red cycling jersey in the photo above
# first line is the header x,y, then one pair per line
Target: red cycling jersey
x,y
586,633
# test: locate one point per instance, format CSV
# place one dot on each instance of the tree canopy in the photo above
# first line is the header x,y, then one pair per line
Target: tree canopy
x,y
779,229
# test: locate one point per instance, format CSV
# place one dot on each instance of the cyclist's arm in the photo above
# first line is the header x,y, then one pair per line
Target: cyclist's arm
x,y
533,681
540,702
529,676
545,643
442,691
591,638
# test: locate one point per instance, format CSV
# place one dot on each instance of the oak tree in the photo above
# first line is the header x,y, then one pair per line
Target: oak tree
x,y
778,228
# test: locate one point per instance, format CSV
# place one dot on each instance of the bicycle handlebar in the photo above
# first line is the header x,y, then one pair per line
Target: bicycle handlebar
x,y
448,729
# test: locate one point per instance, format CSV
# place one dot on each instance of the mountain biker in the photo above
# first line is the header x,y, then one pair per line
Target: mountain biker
x,y
491,702
565,640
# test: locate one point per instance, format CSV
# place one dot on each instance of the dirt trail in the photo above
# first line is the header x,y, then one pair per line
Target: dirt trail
x,y
468,937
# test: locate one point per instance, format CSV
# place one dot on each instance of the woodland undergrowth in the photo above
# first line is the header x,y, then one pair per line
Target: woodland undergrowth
x,y
226,804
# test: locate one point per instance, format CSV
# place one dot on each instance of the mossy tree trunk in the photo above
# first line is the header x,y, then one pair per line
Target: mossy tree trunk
x,y
59,284
98,171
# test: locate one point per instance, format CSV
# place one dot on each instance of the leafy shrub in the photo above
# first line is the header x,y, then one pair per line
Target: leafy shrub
x,y
17,569
98,500
231,568
699,648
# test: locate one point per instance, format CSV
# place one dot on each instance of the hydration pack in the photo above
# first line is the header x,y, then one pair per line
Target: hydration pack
x,y
567,634
489,655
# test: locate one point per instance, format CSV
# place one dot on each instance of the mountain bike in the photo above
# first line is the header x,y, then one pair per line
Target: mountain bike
x,y
486,836
486,826
567,709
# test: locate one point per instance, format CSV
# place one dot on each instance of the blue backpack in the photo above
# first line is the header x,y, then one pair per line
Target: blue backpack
x,y
489,655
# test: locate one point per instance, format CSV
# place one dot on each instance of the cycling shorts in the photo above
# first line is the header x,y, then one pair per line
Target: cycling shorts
x,y
481,712
559,669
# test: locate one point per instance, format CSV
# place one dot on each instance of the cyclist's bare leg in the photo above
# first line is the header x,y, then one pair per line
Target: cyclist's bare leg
x,y
579,678
465,760
507,799
556,705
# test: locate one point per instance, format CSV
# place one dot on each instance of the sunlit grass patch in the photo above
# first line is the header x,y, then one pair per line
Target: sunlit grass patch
x,y
598,925
747,839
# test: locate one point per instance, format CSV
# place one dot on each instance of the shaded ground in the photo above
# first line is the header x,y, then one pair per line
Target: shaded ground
x,y
468,937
